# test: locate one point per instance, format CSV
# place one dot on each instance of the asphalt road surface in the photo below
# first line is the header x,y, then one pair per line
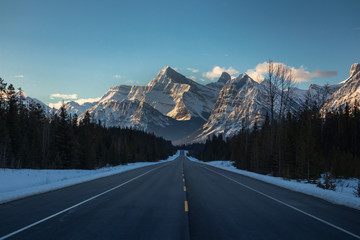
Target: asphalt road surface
x,y
180,199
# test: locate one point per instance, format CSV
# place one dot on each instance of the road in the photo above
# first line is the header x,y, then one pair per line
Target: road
x,y
180,199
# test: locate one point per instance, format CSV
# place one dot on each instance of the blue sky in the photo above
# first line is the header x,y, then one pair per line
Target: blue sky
x,y
82,48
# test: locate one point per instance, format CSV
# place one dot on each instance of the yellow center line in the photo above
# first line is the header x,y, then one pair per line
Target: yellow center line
x,y
184,188
186,206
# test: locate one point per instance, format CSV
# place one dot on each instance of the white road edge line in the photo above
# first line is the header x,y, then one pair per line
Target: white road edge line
x,y
288,205
76,205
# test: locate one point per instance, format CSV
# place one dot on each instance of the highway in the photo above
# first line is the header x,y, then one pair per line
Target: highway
x,y
180,199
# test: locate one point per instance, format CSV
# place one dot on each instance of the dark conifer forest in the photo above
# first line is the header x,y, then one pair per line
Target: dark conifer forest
x,y
29,138
301,145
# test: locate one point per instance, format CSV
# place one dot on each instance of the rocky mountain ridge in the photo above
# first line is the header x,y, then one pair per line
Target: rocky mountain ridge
x,y
184,111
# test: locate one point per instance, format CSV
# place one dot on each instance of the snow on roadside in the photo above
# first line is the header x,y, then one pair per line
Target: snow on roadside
x,y
342,196
20,183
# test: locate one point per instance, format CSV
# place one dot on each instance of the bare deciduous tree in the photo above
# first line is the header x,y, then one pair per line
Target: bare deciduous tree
x,y
286,81
271,90
278,86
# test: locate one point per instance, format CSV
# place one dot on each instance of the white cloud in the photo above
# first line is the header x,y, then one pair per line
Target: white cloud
x,y
217,71
300,74
176,68
81,101
193,70
193,78
117,76
63,96
19,76
203,80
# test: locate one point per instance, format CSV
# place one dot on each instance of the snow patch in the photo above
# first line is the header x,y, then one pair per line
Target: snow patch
x,y
20,183
342,196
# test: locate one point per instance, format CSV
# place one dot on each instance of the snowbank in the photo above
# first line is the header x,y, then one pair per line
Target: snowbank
x,y
342,196
20,183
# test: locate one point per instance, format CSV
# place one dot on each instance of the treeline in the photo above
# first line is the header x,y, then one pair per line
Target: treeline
x,y
301,145
31,139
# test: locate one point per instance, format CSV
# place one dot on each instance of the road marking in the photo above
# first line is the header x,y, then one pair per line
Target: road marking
x,y
288,205
183,179
74,206
184,188
186,206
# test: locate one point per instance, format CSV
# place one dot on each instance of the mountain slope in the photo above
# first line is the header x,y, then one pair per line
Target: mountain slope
x,y
181,110
242,102
178,97
347,94
76,108
27,101
239,104
171,105
127,113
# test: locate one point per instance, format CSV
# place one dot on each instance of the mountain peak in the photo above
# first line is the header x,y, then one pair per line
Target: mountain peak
x,y
242,80
355,68
168,74
167,70
224,77
243,77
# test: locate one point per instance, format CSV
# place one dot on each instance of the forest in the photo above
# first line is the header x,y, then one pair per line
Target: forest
x,y
303,145
31,138
300,143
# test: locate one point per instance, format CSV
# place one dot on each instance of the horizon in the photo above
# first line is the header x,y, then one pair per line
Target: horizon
x,y
99,45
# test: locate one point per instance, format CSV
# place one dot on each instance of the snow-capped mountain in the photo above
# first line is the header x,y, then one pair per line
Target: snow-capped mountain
x,y
76,108
33,101
178,97
181,110
348,93
129,113
315,92
240,103
28,101
171,105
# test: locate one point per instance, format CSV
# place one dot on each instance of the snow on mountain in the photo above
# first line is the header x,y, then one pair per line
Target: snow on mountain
x,y
118,92
348,93
140,115
181,110
178,97
127,113
27,101
299,95
168,102
330,89
76,108
170,93
239,104
315,92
